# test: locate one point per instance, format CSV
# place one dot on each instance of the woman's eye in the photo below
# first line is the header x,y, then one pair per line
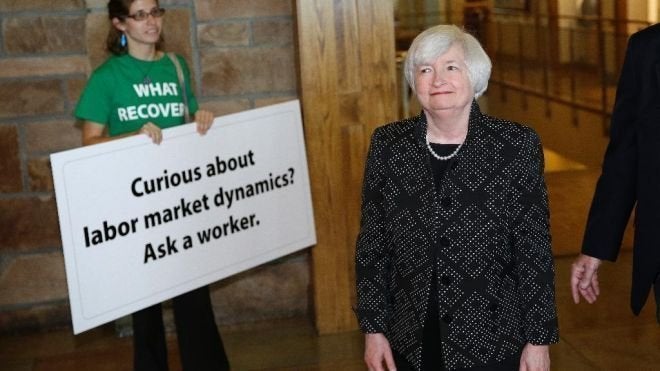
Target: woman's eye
x,y
452,68
425,69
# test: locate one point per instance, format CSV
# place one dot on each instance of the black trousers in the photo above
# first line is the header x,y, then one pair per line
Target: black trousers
x,y
199,341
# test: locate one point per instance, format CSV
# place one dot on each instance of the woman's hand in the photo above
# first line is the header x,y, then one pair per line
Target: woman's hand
x,y
376,351
535,358
204,120
153,131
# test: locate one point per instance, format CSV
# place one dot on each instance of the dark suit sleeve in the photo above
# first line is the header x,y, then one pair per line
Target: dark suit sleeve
x,y
371,256
530,228
615,193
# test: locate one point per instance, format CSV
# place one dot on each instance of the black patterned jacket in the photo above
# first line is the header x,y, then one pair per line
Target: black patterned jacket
x,y
488,224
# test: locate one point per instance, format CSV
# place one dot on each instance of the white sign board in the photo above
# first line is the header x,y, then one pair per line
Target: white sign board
x,y
142,223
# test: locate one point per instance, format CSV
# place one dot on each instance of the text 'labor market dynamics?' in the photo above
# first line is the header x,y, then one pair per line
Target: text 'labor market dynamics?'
x,y
184,207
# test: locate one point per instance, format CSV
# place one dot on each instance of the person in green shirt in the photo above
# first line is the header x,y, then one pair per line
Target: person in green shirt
x,y
137,91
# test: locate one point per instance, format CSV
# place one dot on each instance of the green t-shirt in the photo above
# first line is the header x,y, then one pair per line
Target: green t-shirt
x,y
124,93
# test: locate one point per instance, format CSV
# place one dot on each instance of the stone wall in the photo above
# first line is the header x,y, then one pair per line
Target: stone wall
x,y
242,56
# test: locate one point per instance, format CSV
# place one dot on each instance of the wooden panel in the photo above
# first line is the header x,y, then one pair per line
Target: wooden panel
x,y
356,143
348,87
348,57
379,63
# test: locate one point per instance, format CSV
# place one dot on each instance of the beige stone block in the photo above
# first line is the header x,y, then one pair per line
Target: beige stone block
x,y
95,4
43,66
29,223
224,34
34,278
263,102
215,9
40,173
176,31
179,3
28,98
272,32
74,89
52,5
96,25
225,107
262,293
52,136
248,70
10,162
44,34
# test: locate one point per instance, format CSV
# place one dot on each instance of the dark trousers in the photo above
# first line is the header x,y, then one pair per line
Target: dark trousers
x,y
199,341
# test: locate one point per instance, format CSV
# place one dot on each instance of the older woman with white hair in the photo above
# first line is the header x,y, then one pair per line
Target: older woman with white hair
x,y
453,262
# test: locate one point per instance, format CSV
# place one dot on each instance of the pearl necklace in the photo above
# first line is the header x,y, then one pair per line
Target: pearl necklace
x,y
437,156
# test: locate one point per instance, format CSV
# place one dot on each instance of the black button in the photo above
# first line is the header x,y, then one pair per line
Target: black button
x,y
447,318
444,242
446,202
493,307
493,329
446,280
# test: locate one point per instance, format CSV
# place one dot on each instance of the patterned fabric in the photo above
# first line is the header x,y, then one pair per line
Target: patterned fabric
x,y
488,223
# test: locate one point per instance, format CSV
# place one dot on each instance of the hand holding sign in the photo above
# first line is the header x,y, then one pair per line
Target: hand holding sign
x,y
134,235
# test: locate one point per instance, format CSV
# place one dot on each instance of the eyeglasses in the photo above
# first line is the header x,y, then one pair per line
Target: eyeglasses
x,y
142,15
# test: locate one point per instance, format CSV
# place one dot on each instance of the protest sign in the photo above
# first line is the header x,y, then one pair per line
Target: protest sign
x,y
142,223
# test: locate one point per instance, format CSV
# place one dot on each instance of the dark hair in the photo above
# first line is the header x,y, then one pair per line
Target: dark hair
x,y
120,9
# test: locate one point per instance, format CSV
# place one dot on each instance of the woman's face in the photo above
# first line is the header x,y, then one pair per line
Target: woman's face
x,y
146,31
443,85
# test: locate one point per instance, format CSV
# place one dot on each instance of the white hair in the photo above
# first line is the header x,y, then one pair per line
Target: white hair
x,y
435,41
